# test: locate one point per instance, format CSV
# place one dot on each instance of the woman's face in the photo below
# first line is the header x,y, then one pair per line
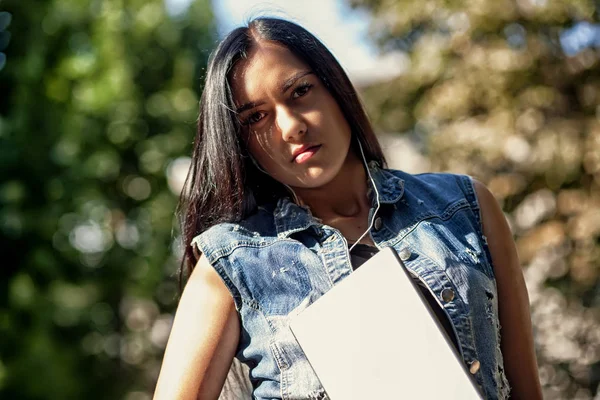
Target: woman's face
x,y
294,127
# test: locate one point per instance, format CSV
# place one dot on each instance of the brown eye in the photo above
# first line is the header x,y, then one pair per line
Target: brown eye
x,y
301,90
254,118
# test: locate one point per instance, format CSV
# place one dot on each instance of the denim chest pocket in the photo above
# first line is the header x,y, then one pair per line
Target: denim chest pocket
x,y
273,277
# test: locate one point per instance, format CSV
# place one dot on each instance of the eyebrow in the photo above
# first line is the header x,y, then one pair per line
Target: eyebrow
x,y
248,106
288,83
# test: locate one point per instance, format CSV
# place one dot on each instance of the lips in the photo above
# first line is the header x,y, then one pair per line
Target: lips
x,y
304,152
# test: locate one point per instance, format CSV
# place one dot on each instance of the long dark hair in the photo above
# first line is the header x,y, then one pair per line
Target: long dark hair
x,y
223,184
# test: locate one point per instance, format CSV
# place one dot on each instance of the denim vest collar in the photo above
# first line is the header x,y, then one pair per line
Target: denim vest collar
x,y
291,218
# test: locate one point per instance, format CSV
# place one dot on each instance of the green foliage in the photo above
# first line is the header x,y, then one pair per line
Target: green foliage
x,y
491,93
97,99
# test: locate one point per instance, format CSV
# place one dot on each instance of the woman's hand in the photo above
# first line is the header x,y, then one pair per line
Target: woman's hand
x,y
513,302
203,339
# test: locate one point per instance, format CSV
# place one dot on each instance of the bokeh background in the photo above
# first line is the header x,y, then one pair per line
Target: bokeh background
x,y
98,101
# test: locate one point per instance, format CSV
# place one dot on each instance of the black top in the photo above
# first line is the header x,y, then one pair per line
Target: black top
x,y
362,252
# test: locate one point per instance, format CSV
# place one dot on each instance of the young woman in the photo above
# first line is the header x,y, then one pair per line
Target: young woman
x,y
288,193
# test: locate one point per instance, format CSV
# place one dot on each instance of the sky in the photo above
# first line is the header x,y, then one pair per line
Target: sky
x,y
343,30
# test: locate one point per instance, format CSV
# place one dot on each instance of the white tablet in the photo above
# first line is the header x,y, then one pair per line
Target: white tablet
x,y
373,336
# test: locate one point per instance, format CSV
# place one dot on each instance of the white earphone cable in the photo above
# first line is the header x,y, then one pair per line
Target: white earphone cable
x,y
376,198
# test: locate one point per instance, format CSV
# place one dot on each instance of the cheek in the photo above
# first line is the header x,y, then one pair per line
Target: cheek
x,y
340,120
263,148
333,118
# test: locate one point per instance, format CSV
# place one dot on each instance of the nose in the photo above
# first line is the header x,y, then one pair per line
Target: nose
x,y
290,123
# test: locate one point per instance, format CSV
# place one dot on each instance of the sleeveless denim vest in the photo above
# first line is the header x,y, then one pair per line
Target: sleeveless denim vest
x,y
278,261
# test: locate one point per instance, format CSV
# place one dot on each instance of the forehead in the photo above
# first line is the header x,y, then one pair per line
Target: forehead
x,y
267,66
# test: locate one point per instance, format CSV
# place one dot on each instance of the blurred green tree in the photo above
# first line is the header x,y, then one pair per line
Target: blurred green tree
x,y
98,101
509,92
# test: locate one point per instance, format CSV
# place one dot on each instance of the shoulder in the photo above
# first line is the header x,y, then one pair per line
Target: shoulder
x,y
492,217
443,186
204,276
485,197
496,230
221,239
432,180
439,188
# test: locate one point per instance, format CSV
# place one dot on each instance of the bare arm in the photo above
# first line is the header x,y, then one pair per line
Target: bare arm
x,y
513,302
203,339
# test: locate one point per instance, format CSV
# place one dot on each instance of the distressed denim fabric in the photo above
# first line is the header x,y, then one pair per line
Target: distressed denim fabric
x,y
281,259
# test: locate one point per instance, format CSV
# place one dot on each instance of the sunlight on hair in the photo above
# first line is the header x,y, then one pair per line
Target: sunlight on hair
x,y
343,30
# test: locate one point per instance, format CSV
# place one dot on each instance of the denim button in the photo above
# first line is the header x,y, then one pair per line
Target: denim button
x,y
378,223
475,365
447,295
405,254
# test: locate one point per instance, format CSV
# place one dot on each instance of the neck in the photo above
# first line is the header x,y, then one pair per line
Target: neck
x,y
337,199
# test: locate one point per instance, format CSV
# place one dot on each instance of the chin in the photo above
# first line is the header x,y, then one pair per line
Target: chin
x,y
315,179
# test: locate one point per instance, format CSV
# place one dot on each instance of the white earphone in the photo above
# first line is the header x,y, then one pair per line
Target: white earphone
x,y
376,197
